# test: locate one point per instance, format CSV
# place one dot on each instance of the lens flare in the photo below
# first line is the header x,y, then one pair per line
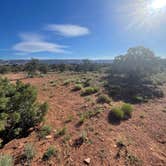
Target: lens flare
x,y
158,4
145,15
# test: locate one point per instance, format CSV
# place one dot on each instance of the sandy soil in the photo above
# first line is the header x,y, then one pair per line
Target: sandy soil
x,y
143,136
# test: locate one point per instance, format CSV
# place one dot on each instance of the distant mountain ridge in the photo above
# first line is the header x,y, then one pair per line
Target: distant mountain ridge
x,y
53,61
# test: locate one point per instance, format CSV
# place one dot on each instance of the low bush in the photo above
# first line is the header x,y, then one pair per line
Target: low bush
x,y
67,82
88,115
60,132
19,109
133,160
80,140
117,113
6,160
44,131
77,87
86,82
121,113
51,151
89,90
82,119
127,109
138,99
66,138
29,152
103,99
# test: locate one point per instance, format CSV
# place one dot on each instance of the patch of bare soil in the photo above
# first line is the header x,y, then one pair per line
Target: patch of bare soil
x,y
140,140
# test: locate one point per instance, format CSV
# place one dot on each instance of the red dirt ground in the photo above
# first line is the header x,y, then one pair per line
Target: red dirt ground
x,y
143,136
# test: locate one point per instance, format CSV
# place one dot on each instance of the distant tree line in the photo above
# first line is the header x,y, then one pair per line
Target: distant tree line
x,y
34,67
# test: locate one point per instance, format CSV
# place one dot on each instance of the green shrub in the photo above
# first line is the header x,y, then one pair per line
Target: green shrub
x,y
6,160
80,140
51,151
44,131
86,82
2,125
29,152
1,141
77,87
138,99
103,99
88,115
66,138
117,113
82,119
60,132
127,109
84,136
67,82
19,110
133,160
121,113
89,91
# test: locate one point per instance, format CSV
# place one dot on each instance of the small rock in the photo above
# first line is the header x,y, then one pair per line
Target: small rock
x,y
85,106
106,105
31,129
48,136
87,161
101,139
20,146
71,159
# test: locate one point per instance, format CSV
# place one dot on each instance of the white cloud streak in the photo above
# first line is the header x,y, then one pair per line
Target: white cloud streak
x,y
68,30
34,43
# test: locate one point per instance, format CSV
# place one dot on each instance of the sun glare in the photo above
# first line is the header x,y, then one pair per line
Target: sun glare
x,y
158,4
146,15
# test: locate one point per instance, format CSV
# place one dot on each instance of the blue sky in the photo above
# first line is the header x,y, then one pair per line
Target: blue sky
x,y
76,29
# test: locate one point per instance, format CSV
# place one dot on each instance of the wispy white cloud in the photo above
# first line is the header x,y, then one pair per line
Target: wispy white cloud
x,y
68,30
34,43
31,37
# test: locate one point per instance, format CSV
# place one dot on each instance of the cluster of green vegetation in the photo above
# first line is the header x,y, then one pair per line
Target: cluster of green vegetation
x,y
88,115
130,159
6,160
19,110
34,66
83,67
130,75
82,139
11,68
51,151
104,99
121,113
89,90
44,131
77,87
29,152
60,132
133,160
